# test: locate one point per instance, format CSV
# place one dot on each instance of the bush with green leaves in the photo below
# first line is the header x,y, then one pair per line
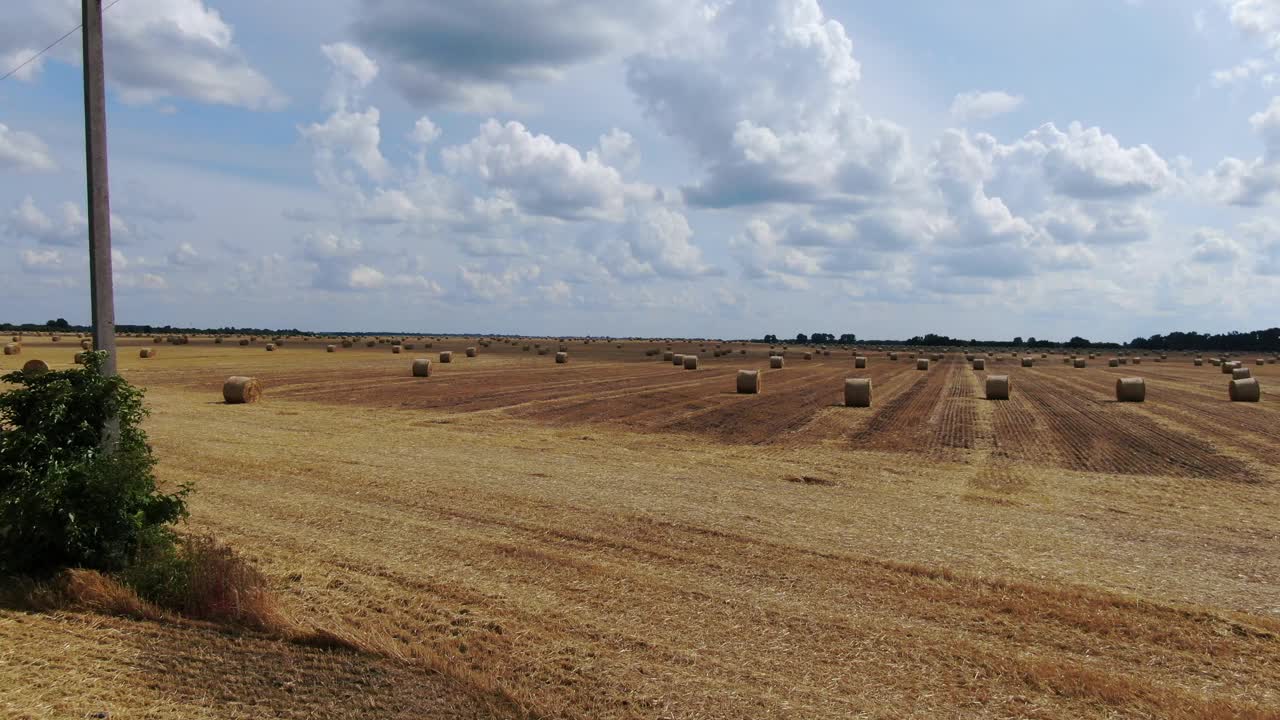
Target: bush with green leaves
x,y
74,493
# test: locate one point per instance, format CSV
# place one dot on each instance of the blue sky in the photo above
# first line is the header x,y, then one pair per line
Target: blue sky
x,y
661,167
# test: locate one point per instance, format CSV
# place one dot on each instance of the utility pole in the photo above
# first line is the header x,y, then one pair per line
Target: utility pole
x,y
95,151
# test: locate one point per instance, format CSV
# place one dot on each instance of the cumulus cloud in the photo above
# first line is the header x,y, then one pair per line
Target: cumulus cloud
x,y
23,151
983,105
158,49
69,227
41,260
1212,247
764,94
510,284
184,255
544,177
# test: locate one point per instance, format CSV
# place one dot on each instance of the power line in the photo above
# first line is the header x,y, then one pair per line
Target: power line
x,y
49,47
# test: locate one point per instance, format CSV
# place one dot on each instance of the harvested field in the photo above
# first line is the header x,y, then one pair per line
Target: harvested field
x,y
619,538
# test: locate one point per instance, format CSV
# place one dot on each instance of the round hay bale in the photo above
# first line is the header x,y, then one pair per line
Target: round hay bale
x,y
1122,361
922,364
79,357
677,360
157,340
1198,362
1026,362
542,351
1137,361
775,362
407,346
346,343
446,356
1131,389
1260,361
395,349
12,349
893,356
239,389
471,352
145,353
271,347
86,344
997,387
857,392
979,364
331,348
243,343
808,356
1227,367
690,362
1245,390
1113,362
749,381
1240,373
562,357
667,356
54,338
421,367
1080,362
859,362
35,367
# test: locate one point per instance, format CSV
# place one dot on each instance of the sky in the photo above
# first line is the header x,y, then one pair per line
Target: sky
x,y
702,168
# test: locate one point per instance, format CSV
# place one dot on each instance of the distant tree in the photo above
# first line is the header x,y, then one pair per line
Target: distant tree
x,y
1017,340
801,337
771,338
848,338
60,324
1078,342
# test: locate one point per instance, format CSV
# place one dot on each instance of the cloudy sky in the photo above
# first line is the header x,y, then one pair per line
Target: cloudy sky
x,y
728,168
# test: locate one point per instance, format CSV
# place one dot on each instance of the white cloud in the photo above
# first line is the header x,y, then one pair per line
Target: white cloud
x,y
1237,74
983,105
509,285
157,49
184,255
41,260
23,151
70,227
765,96
617,148
424,131
363,277
1213,247
544,177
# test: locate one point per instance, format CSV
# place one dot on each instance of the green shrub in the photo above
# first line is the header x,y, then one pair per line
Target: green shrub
x,y
69,497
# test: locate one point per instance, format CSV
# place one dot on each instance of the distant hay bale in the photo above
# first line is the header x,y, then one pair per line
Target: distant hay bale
x,y
542,350
12,349
239,389
35,367
562,357
1131,389
1215,362
1113,362
1246,390
677,360
217,340
271,347
86,344
446,356
407,346
79,358
1137,361
1227,367
749,381
563,347
997,387
1240,373
244,342
1080,363
471,352
893,356
690,362
395,349
979,364
742,352
145,353
54,338
370,343
330,348
857,392
667,356
421,367
1260,361
1026,362
157,340
859,362
1122,361
1198,362
808,356
922,364
775,362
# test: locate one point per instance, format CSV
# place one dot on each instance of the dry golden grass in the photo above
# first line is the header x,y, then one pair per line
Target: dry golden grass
x,y
508,560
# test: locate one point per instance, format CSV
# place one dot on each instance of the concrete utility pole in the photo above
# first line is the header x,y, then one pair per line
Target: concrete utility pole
x,y
95,150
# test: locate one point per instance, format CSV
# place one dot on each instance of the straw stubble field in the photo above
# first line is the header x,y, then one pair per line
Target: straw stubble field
x,y
617,537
